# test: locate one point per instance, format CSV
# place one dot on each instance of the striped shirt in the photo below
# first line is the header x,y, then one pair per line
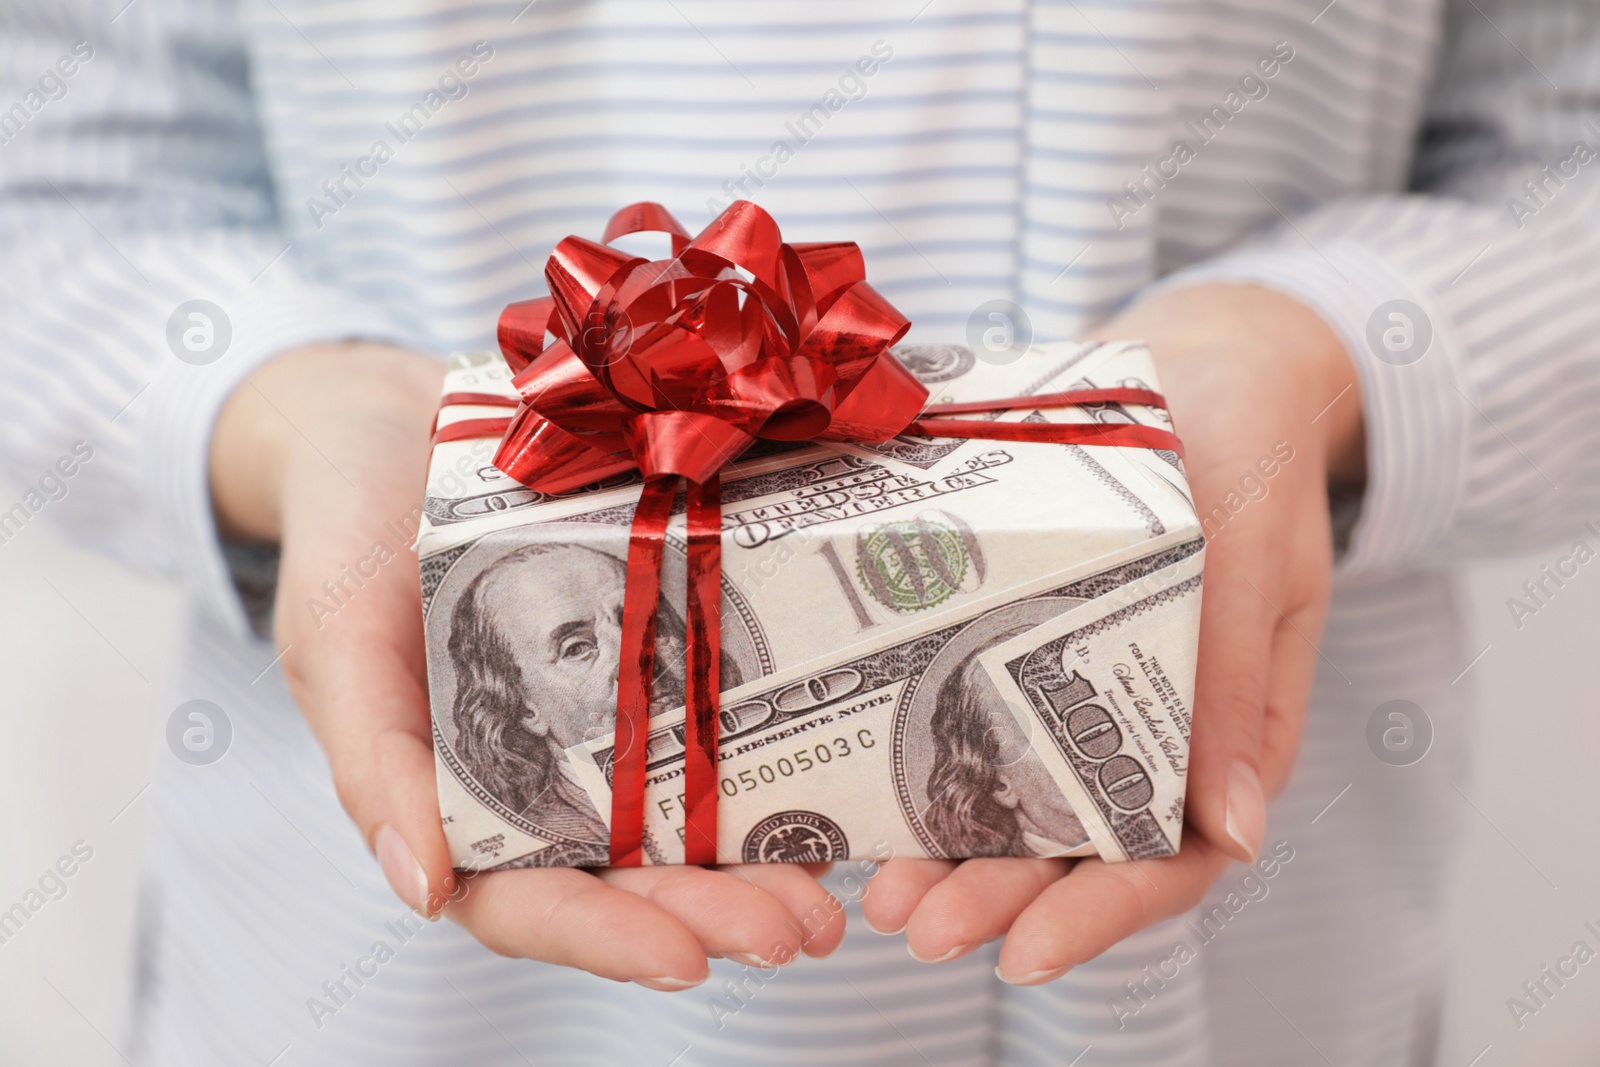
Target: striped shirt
x,y
1420,172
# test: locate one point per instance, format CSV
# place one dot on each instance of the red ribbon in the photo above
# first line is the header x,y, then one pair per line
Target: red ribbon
x,y
677,366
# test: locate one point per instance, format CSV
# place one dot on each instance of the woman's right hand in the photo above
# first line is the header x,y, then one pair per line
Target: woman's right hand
x,y
317,451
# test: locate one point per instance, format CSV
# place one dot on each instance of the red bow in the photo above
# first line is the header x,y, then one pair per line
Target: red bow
x,y
676,367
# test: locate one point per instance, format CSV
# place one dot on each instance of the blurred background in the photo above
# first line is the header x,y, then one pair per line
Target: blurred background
x,y
84,647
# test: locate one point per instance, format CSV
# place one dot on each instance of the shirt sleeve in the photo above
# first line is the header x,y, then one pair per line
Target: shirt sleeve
x,y
145,277
1468,304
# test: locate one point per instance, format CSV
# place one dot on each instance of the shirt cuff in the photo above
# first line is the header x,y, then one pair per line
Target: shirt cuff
x,y
184,402
1412,387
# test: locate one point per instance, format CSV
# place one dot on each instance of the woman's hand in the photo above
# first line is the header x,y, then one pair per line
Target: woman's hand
x,y
317,451
1248,373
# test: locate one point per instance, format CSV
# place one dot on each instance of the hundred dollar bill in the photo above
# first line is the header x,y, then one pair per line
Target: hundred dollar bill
x,y
842,555
825,552
1111,693
906,743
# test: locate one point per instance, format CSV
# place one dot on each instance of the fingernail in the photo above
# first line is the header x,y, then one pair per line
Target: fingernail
x,y
1247,808
669,985
884,933
749,959
1032,977
959,950
405,874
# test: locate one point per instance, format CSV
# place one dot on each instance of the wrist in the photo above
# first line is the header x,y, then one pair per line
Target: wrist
x,y
1250,334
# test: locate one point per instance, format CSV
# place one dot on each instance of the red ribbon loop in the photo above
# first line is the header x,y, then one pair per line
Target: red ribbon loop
x,y
675,367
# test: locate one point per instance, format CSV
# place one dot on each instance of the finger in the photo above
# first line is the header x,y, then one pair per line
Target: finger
x,y
977,903
1237,620
569,917
359,675
817,913
1294,666
897,889
372,720
406,834
1098,904
729,916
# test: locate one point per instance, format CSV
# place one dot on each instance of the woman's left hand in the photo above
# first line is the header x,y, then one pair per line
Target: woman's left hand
x,y
1244,369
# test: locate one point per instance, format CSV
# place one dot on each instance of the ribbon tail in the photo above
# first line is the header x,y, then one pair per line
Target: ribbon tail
x,y
1071,398
704,623
466,429
1111,435
636,670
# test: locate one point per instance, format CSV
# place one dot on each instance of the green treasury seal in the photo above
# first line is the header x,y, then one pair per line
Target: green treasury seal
x,y
917,564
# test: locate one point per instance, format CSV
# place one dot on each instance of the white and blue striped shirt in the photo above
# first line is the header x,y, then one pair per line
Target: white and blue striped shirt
x,y
323,169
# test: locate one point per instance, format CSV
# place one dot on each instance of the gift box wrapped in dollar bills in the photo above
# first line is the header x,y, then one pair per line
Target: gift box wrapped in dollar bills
x,y
929,647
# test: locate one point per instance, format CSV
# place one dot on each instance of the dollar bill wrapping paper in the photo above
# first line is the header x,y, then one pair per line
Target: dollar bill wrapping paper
x,y
930,647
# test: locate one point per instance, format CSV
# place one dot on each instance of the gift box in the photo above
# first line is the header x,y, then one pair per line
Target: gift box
x,y
879,644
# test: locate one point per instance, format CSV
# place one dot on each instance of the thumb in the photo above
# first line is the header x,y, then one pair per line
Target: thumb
x,y
371,714
406,836
1225,800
